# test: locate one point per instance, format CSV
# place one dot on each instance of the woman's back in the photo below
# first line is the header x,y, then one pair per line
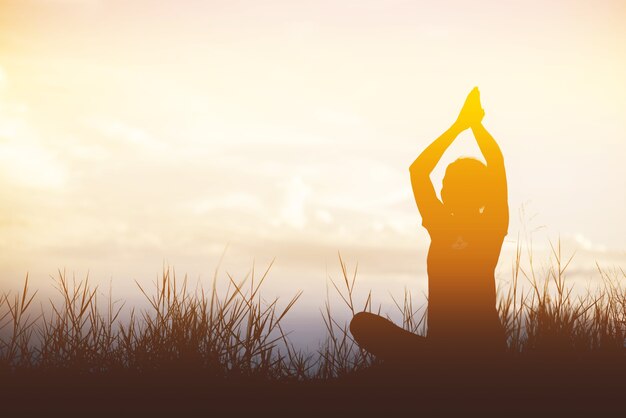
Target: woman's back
x,y
461,285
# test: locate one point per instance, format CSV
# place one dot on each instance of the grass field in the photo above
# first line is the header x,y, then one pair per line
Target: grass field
x,y
200,350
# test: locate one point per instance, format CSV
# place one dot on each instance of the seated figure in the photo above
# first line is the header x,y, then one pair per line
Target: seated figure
x,y
467,228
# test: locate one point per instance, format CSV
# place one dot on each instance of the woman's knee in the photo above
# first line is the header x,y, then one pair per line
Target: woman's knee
x,y
367,324
360,323
380,336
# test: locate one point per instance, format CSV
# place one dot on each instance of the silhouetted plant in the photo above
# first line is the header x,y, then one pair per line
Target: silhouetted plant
x,y
237,332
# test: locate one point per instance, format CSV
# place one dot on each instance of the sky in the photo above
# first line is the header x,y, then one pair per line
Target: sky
x,y
138,134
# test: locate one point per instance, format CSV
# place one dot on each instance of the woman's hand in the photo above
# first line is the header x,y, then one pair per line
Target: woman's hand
x,y
472,112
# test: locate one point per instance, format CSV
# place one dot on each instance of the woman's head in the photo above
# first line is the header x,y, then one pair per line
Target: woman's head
x,y
465,186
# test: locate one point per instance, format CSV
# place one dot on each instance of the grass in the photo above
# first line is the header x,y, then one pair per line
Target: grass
x,y
548,319
230,333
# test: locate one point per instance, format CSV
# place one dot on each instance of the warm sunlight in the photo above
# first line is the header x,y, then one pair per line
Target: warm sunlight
x,y
135,134
230,207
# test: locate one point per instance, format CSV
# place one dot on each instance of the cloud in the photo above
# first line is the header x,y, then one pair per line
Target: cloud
x,y
24,158
323,216
293,211
238,200
26,162
126,134
587,244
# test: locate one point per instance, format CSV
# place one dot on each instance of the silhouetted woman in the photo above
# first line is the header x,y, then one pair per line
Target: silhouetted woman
x,y
466,228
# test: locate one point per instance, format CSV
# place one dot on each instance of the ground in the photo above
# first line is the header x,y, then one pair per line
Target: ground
x,y
513,388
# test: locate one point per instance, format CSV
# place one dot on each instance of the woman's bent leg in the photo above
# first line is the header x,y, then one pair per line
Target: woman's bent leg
x,y
384,339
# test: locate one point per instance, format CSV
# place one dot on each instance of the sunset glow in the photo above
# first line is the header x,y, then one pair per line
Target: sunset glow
x,y
134,134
